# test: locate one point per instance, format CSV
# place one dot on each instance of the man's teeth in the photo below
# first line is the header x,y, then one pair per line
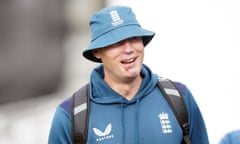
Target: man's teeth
x,y
128,61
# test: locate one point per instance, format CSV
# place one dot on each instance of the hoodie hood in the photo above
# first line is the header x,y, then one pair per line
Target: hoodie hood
x,y
102,93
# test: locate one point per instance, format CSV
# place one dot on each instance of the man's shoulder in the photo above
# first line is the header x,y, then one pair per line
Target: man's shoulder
x,y
180,86
67,104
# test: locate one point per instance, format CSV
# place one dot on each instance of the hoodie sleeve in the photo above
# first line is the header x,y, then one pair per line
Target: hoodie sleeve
x,y
232,137
60,132
198,132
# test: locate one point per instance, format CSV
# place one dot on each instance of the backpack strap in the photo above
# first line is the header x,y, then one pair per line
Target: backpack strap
x,y
177,103
80,112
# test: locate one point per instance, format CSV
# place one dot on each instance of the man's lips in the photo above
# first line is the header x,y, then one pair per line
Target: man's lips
x,y
128,61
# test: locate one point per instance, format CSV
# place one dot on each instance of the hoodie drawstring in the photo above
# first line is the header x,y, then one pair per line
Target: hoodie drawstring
x,y
123,124
137,122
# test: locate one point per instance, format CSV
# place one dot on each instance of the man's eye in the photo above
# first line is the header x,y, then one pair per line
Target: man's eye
x,y
134,39
117,44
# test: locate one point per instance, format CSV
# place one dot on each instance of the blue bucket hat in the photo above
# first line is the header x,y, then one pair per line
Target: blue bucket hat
x,y
111,25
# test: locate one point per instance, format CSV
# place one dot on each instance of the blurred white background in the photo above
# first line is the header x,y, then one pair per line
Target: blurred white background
x,y
196,42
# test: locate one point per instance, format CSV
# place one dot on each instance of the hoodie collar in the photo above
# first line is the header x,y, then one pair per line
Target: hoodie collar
x,y
102,93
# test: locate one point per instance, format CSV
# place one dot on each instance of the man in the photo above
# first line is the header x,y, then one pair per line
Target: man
x,y
125,103
232,137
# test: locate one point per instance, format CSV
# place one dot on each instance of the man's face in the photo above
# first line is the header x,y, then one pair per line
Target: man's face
x,y
123,60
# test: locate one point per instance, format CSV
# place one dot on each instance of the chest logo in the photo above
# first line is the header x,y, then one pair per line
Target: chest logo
x,y
103,135
165,123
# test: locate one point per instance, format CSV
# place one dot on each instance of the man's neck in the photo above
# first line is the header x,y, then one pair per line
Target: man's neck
x,y
126,89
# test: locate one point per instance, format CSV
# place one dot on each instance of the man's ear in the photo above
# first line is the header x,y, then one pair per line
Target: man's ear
x,y
96,54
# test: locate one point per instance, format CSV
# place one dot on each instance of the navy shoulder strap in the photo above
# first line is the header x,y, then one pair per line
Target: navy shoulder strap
x,y
80,111
177,103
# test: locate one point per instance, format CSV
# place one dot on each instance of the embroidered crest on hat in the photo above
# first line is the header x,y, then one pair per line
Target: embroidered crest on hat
x,y
116,18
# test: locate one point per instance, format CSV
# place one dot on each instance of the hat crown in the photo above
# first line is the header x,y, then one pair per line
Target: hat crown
x,y
111,18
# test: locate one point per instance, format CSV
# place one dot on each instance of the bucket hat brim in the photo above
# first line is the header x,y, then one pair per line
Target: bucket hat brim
x,y
116,35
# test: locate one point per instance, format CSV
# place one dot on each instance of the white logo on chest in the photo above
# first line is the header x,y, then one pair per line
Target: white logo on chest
x,y
165,123
104,135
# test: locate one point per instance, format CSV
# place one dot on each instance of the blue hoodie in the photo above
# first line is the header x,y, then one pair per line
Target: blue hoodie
x,y
232,137
145,119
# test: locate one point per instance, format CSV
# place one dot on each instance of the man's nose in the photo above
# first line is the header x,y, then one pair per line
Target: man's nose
x,y
127,45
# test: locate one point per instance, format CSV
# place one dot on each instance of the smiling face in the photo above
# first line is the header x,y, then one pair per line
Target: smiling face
x,y
122,61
